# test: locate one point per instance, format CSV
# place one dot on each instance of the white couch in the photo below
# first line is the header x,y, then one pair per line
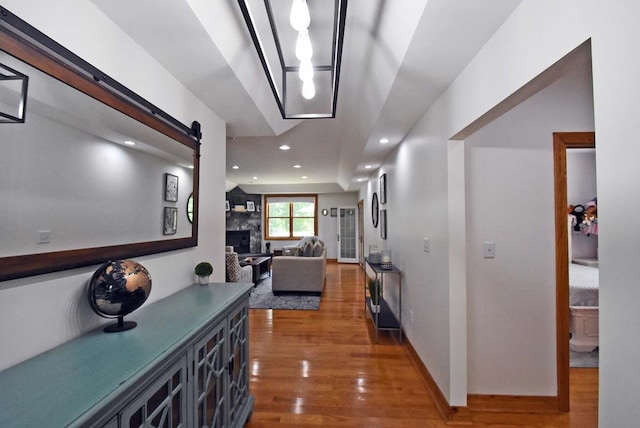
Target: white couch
x,y
300,273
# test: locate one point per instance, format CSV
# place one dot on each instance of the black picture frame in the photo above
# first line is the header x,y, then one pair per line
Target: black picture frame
x,y
383,189
170,187
251,206
375,210
170,221
334,212
383,224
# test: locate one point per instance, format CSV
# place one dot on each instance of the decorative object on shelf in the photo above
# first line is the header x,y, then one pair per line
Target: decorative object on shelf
x,y
383,224
375,210
268,246
383,189
203,271
190,208
325,211
375,256
251,206
375,291
170,220
227,206
170,187
334,212
386,260
118,288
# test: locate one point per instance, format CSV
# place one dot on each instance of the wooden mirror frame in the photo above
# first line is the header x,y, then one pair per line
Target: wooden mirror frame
x,y
24,42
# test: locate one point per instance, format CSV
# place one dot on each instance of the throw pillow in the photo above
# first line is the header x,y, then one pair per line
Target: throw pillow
x,y
307,250
317,249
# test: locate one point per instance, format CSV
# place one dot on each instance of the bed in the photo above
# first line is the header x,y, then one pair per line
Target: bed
x,y
583,307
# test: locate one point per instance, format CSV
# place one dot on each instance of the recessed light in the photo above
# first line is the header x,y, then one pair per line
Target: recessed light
x,y
368,166
384,140
235,167
255,178
361,179
305,177
297,166
130,143
284,147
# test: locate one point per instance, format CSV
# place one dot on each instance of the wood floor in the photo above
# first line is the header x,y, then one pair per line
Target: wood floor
x,y
322,368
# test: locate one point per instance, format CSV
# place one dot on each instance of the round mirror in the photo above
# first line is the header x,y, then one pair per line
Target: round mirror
x,y
190,208
325,211
374,209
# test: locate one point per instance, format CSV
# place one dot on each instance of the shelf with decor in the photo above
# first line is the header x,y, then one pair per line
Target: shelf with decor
x,y
185,364
383,317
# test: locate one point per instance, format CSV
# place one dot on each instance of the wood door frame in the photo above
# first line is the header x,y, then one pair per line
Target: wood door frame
x,y
561,142
361,232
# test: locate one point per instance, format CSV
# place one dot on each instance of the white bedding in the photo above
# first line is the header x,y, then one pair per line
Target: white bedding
x,y
583,285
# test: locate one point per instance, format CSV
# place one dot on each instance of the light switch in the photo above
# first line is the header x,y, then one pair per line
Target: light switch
x,y
489,250
427,245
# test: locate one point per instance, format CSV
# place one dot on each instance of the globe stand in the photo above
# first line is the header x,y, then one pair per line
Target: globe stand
x,y
121,325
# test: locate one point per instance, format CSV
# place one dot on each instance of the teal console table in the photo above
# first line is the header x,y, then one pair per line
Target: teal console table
x,y
186,364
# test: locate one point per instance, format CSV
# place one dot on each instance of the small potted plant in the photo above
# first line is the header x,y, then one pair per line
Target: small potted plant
x,y
374,292
203,270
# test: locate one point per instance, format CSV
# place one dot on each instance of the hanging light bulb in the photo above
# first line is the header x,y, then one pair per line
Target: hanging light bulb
x,y
306,70
308,89
303,46
299,18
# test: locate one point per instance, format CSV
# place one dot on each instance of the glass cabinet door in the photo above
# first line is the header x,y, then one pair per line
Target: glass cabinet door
x,y
209,379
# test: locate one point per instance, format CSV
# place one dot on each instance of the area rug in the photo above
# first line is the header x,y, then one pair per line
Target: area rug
x,y
584,359
262,297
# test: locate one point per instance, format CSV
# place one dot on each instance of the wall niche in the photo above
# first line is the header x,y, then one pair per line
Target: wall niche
x,y
245,213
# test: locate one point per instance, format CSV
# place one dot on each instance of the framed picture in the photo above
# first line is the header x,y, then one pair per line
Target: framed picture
x,y
170,220
227,206
383,224
383,189
251,206
375,213
170,187
334,212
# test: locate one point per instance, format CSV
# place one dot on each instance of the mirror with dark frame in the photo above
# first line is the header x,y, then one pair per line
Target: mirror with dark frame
x,y
74,192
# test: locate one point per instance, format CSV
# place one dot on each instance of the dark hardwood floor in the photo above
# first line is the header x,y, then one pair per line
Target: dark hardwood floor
x,y
322,368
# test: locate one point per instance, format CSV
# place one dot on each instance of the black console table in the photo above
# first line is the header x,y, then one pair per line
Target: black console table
x,y
383,319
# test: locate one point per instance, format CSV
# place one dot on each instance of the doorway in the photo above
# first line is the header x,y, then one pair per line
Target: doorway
x,y
347,235
561,142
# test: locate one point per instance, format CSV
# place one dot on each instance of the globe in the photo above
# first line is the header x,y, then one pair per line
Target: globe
x,y
118,288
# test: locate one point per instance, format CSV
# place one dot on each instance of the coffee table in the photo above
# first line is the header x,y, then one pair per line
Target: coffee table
x,y
260,265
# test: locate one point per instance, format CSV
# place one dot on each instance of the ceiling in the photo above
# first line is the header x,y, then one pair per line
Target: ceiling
x,y
398,57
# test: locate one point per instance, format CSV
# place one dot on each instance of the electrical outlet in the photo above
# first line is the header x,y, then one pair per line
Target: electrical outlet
x,y
44,237
411,317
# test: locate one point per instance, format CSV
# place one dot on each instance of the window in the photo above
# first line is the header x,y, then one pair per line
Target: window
x,y
291,216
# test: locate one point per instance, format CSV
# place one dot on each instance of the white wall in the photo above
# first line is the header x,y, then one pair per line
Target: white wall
x,y
51,309
510,201
327,225
539,33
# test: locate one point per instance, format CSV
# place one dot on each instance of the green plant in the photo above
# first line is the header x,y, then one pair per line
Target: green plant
x,y
375,290
203,269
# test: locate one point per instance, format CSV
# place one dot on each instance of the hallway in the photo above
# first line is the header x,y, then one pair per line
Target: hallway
x,y
322,368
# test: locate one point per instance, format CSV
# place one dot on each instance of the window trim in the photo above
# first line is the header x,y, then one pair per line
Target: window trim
x,y
292,197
